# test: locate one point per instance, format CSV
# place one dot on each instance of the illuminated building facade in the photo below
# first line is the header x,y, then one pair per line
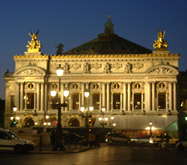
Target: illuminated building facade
x,y
133,83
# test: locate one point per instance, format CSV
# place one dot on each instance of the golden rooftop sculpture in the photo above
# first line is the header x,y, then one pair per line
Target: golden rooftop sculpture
x,y
160,43
34,45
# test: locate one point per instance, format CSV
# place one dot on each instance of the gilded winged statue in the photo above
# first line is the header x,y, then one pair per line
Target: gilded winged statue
x,y
160,42
34,45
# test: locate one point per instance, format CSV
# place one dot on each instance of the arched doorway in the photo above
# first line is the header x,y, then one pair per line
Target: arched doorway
x,y
28,122
74,122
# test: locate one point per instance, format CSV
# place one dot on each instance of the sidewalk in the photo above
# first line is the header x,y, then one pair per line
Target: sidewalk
x,y
69,149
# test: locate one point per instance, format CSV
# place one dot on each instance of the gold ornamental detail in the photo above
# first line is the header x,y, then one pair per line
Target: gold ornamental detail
x,y
160,43
34,45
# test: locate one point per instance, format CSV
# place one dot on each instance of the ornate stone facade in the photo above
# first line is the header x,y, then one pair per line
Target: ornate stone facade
x,y
142,84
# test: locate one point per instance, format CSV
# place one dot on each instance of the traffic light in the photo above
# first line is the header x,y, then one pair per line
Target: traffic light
x,y
90,122
15,122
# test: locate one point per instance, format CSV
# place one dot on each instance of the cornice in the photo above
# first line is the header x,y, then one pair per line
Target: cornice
x,y
32,56
113,56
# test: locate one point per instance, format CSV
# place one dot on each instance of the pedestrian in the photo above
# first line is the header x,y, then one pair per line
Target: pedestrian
x,y
91,138
97,139
52,137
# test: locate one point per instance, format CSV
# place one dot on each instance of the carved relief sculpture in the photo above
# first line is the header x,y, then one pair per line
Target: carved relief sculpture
x,y
162,70
127,68
106,68
66,68
85,68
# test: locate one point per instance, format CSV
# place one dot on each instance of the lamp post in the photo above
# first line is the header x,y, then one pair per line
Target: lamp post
x,y
112,124
150,128
58,144
103,120
88,110
14,118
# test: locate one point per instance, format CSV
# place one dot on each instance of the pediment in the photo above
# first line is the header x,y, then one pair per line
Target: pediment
x,y
30,71
162,70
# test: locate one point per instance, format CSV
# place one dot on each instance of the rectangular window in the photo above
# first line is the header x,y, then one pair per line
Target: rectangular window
x,y
30,100
54,102
162,101
75,101
137,101
96,102
116,101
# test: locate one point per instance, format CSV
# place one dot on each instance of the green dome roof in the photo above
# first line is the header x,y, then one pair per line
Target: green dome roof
x,y
108,43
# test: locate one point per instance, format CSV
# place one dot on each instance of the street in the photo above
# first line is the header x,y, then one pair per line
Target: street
x,y
110,155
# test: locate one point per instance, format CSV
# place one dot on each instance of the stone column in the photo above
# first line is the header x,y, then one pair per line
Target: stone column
x,y
83,88
46,98
21,97
38,97
108,97
142,102
121,102
129,96
153,96
17,98
100,100
42,97
112,103
103,98
124,97
166,102
147,96
174,97
170,96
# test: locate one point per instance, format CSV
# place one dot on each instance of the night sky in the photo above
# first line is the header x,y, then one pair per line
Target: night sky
x,y
74,22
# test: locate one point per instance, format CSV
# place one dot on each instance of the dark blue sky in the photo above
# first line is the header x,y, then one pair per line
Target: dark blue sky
x,y
74,22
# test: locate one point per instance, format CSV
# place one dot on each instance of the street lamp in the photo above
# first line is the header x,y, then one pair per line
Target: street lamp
x,y
14,118
112,124
103,120
88,110
58,145
150,128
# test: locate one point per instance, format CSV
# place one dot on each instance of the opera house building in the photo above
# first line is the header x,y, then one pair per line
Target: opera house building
x,y
109,76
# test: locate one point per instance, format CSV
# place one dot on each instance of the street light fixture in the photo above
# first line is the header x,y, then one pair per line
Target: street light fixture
x,y
14,118
150,128
103,120
58,145
88,110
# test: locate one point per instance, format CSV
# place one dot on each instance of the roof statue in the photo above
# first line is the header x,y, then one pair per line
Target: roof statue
x,y
59,49
34,45
160,43
109,26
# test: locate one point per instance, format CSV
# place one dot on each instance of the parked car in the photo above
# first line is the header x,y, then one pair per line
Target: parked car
x,y
113,137
158,139
181,145
10,141
73,138
143,139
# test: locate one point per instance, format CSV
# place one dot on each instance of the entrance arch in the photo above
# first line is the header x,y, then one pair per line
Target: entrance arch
x,y
74,122
28,122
